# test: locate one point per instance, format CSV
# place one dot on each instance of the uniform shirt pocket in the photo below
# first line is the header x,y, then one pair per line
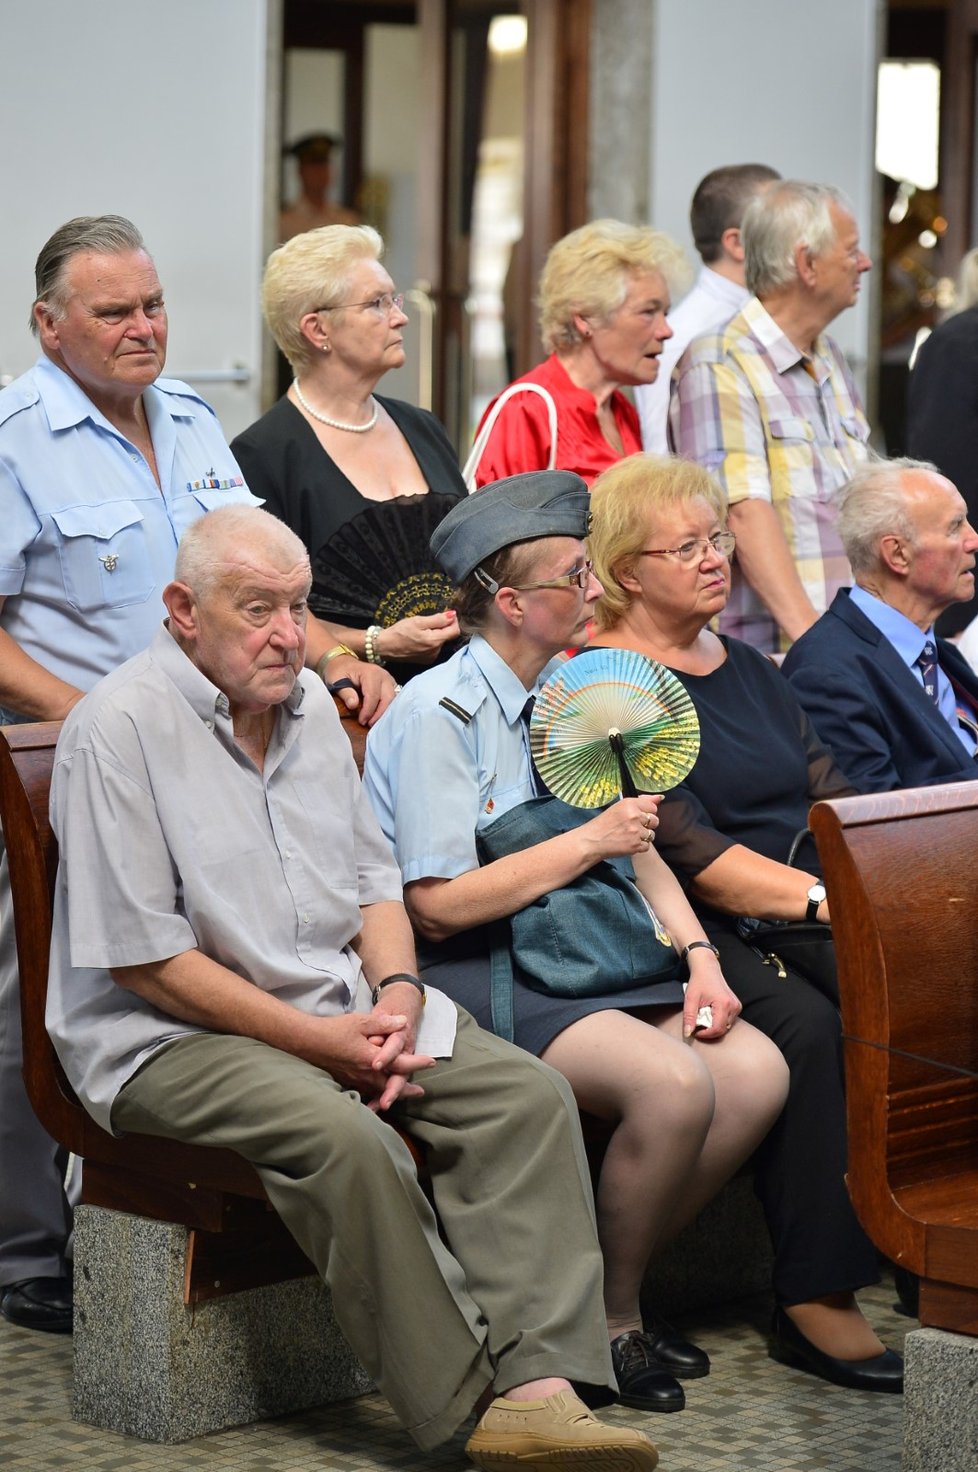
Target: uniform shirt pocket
x,y
105,560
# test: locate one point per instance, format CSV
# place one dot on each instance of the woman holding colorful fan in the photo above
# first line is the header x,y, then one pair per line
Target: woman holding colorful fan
x,y
685,1104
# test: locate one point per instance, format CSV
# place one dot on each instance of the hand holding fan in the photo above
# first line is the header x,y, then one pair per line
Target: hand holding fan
x,y
611,723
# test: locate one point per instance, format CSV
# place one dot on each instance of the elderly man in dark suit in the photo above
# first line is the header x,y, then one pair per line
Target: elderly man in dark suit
x,y
897,705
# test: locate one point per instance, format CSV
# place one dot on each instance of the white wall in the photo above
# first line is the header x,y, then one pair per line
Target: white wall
x,y
157,112
782,82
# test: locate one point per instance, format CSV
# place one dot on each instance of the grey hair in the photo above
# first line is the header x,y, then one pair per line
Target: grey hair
x,y
777,221
106,234
873,504
311,270
207,543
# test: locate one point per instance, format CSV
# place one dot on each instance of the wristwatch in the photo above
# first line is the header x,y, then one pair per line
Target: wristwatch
x,y
815,897
398,976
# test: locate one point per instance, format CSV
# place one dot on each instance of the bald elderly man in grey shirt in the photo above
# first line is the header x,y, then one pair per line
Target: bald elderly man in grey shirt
x,y
232,964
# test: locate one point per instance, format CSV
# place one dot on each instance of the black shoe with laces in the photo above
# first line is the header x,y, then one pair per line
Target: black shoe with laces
x,y
643,1384
679,1356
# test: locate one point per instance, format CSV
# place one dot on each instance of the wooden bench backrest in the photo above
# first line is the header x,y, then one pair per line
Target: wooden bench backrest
x,y
903,891
154,1177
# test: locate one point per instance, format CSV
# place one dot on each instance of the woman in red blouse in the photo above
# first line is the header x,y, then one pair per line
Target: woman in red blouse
x,y
604,294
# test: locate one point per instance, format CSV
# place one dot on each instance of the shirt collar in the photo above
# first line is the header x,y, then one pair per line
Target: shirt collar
x,y
721,289
507,687
67,404
780,348
907,639
567,389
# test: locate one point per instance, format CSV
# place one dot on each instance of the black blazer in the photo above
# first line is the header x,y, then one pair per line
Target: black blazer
x,y
866,705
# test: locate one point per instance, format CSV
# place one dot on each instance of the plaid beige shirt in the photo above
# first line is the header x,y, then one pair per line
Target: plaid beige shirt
x,y
776,426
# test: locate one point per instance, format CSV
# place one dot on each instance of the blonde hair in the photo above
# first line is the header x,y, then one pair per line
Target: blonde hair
x,y
623,500
587,274
309,271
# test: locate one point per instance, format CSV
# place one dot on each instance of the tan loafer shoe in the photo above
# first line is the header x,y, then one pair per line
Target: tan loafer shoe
x,y
539,1435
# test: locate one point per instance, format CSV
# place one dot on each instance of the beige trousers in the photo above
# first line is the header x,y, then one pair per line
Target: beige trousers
x,y
512,1293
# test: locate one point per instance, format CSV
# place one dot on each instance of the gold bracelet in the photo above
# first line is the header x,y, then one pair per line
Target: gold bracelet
x,y
333,653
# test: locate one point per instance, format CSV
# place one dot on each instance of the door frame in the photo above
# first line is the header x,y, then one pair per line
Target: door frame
x,y
556,148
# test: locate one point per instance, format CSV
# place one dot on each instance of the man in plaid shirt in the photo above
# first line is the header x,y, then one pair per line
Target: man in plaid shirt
x,y
769,406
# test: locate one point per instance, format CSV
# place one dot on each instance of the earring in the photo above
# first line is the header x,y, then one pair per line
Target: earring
x,y
325,347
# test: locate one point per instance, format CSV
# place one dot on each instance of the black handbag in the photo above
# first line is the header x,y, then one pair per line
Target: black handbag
x,y
593,937
803,946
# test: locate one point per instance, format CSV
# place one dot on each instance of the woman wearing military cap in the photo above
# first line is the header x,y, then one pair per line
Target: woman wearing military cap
x,y
685,1106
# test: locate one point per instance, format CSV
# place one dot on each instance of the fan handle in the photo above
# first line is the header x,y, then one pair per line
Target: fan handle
x,y
628,788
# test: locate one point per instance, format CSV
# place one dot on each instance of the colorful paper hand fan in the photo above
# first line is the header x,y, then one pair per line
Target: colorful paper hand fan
x,y
610,723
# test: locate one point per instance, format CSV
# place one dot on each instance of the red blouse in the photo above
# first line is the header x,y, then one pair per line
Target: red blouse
x,y
520,439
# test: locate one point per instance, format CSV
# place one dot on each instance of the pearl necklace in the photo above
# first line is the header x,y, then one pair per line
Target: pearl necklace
x,y
334,423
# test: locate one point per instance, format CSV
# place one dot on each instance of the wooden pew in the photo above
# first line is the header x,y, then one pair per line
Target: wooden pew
x,y
235,1239
902,879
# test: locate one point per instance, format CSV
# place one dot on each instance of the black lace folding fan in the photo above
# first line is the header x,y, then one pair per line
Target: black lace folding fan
x,y
379,568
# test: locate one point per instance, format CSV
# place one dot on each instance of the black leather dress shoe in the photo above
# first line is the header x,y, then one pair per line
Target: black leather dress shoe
x,y
882,1372
39,1303
642,1382
679,1356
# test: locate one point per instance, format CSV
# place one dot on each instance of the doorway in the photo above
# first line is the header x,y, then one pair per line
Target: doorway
x,y
463,127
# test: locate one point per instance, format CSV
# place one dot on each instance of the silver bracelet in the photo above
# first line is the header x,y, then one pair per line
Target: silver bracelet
x,y
705,944
370,648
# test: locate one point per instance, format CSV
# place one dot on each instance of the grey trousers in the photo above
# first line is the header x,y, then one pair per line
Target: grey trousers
x,y
513,1292
35,1216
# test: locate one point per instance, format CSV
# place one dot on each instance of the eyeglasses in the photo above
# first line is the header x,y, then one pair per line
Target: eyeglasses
x,y
578,578
390,301
723,543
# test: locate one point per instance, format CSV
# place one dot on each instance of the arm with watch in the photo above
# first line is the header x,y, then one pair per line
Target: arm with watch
x,y
710,1008
742,882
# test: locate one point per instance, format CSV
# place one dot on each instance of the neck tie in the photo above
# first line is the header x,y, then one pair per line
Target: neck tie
x,y
926,662
539,786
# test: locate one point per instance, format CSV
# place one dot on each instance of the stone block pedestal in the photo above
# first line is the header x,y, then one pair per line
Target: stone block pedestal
x,y
147,1365
940,1427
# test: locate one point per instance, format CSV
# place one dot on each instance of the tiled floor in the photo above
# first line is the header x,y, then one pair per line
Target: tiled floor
x,y
750,1414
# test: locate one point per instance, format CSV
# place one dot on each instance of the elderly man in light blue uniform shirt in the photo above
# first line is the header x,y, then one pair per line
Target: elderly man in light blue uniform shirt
x,y
102,466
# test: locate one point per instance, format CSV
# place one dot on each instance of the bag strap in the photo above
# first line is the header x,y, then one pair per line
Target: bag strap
x,y
471,465
501,985
796,844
